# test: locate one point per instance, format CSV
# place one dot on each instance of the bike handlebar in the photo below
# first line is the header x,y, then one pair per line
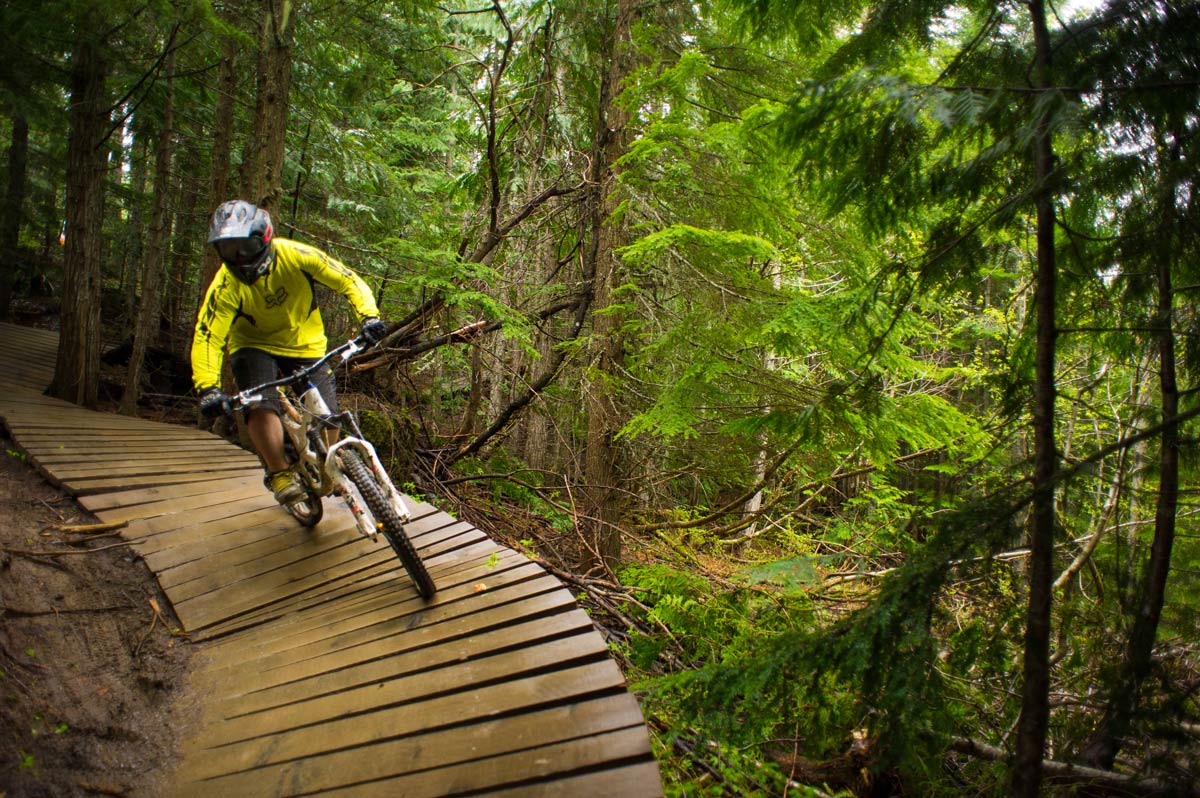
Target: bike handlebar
x,y
243,399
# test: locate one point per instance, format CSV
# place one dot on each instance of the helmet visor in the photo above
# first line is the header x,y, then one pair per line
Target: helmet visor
x,y
239,251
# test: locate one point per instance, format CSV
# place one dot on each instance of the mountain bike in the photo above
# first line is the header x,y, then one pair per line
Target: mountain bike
x,y
348,468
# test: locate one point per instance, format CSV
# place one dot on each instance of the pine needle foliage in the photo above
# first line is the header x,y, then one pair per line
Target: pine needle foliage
x,y
888,670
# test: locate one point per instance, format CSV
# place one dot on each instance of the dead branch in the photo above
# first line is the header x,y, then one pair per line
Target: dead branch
x,y
33,553
1080,775
20,613
87,529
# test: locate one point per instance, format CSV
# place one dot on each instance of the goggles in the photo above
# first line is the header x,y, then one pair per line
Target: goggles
x,y
239,251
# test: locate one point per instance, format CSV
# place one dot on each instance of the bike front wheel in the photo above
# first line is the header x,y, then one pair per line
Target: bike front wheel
x,y
388,522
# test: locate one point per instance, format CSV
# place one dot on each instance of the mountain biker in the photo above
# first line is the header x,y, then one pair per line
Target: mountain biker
x,y
262,308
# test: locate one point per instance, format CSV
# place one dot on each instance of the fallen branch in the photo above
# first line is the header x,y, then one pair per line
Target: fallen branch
x,y
1080,775
56,611
87,529
33,553
174,630
153,623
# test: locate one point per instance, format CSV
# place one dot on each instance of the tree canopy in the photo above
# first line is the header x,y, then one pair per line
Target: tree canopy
x,y
844,355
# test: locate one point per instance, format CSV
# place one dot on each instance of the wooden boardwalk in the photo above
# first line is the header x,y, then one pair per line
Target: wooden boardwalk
x,y
322,670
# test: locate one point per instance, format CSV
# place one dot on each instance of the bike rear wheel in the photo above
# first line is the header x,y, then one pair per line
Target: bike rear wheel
x,y
309,510
388,522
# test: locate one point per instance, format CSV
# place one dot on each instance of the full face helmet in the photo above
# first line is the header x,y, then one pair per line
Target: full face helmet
x,y
242,234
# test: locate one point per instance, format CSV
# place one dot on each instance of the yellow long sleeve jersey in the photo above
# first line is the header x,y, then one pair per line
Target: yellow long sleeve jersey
x,y
277,314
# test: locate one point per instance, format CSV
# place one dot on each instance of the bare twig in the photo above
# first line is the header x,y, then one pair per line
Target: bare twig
x,y
33,553
57,611
87,529
1078,774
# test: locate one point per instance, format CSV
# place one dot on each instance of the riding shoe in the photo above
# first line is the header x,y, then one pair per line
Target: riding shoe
x,y
287,489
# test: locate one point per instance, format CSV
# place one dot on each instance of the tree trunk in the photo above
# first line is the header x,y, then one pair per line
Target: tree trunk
x,y
77,369
601,472
183,250
1123,701
10,214
262,167
218,187
155,262
134,233
1026,774
770,363
536,438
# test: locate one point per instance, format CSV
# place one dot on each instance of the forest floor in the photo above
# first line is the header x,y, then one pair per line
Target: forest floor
x,y
93,672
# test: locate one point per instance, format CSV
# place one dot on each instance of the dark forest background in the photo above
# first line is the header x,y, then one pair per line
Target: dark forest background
x,y
843,356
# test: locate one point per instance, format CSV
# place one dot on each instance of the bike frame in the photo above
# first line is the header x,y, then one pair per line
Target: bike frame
x,y
305,421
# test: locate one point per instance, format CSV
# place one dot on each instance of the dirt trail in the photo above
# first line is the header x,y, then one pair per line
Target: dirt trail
x,y
92,681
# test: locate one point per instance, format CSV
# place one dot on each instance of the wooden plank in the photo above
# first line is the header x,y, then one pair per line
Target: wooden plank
x,y
28,351
437,750
460,641
138,467
547,763
286,547
546,690
281,584
178,505
15,372
157,532
42,422
446,677
365,586
342,625
229,560
8,405
223,605
49,416
16,361
105,485
18,332
311,618
28,372
379,576
232,543
197,548
214,485
409,629
88,435
351,606
69,440
639,780
158,452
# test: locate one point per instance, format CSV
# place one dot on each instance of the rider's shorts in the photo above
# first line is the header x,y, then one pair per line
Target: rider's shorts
x,y
254,367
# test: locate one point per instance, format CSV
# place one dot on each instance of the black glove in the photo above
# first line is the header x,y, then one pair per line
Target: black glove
x,y
373,330
213,402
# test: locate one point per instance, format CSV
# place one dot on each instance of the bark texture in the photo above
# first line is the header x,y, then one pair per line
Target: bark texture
x,y
154,265
603,493
77,369
262,167
10,213
1035,708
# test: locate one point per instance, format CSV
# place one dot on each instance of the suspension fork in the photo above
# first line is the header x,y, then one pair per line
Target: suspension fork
x,y
364,448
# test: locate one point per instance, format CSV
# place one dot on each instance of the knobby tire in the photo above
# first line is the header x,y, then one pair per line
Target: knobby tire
x,y
389,523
